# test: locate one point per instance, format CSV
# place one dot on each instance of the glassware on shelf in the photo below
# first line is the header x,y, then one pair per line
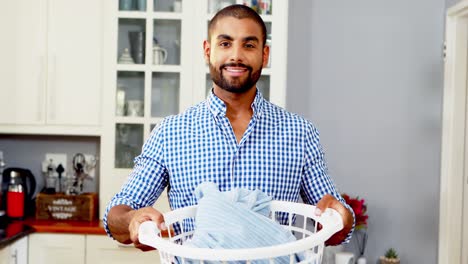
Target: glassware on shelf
x,y
130,87
132,5
159,54
177,6
130,42
141,5
168,5
120,101
137,46
129,139
125,57
134,108
126,5
167,35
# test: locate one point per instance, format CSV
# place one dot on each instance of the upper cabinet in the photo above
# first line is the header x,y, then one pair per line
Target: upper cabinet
x,y
154,67
51,67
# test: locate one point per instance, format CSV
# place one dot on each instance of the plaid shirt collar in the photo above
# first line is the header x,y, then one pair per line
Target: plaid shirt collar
x,y
218,108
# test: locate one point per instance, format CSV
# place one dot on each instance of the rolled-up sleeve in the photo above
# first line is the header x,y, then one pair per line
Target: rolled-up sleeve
x,y
315,181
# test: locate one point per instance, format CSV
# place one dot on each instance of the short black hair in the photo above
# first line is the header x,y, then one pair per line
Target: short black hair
x,y
238,11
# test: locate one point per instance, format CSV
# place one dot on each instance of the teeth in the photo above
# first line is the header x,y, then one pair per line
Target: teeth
x,y
234,70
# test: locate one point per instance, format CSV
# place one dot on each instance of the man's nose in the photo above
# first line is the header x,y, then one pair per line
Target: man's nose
x,y
236,53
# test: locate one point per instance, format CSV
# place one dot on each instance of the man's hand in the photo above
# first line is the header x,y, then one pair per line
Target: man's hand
x,y
328,201
140,216
124,223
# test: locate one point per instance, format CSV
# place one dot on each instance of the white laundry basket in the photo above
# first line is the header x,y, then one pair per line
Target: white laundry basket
x,y
309,245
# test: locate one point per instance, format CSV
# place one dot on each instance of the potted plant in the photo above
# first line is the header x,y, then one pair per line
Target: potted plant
x,y
391,257
358,242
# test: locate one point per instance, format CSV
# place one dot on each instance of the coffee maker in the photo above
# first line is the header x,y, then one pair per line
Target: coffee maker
x,y
29,184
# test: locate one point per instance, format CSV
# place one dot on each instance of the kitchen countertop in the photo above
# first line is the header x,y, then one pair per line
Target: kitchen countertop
x,y
15,230
68,227
12,232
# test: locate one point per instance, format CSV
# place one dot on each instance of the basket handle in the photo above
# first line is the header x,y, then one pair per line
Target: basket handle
x,y
147,232
333,218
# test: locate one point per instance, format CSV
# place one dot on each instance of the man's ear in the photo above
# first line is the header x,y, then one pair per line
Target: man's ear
x,y
206,51
266,55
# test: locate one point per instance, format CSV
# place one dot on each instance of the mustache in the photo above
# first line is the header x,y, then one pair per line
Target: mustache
x,y
235,65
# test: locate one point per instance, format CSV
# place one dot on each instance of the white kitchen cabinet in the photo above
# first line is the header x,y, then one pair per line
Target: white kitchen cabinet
x,y
51,67
16,253
47,248
101,249
4,255
170,87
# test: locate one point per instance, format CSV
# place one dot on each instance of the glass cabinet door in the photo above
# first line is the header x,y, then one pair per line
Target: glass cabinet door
x,y
130,94
157,75
148,71
128,142
168,6
165,94
131,41
166,42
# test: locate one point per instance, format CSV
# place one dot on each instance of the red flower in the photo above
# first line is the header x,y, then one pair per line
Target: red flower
x,y
360,210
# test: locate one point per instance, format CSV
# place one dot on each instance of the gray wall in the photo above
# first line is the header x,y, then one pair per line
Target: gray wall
x,y
369,74
28,151
449,3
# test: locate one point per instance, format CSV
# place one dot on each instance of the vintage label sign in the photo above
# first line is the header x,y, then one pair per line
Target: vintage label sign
x,y
66,207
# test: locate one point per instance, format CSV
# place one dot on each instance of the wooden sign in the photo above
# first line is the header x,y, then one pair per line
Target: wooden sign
x,y
81,207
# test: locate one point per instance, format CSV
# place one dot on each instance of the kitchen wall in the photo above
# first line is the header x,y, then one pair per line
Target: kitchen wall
x,y
449,3
28,151
369,74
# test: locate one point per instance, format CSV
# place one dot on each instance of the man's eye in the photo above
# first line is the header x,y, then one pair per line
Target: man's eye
x,y
250,46
224,44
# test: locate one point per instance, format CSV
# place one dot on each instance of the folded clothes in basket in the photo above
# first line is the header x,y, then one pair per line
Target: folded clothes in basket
x,y
236,219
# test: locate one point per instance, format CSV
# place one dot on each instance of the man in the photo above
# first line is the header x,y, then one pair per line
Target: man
x,y
235,138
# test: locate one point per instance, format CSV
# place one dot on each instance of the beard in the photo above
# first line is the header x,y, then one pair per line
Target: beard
x,y
236,85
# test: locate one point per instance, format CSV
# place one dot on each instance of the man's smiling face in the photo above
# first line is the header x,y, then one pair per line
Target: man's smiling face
x,y
236,54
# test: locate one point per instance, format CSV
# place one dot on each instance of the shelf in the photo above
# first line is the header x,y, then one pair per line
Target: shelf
x,y
143,67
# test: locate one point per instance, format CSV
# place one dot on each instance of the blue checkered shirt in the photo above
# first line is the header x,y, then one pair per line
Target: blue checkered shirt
x,y
279,153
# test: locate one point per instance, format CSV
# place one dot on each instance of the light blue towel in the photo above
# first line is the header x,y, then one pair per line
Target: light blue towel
x,y
236,219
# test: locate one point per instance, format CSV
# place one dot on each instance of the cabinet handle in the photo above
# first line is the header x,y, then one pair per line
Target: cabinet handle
x,y
43,85
15,256
51,93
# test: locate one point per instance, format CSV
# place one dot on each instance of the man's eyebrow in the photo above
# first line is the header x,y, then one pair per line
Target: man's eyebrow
x,y
246,39
251,38
224,36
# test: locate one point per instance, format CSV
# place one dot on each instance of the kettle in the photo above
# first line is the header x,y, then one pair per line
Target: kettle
x,y
159,55
29,184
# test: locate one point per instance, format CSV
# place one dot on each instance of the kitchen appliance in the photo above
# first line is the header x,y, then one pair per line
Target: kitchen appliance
x,y
15,197
28,182
159,54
